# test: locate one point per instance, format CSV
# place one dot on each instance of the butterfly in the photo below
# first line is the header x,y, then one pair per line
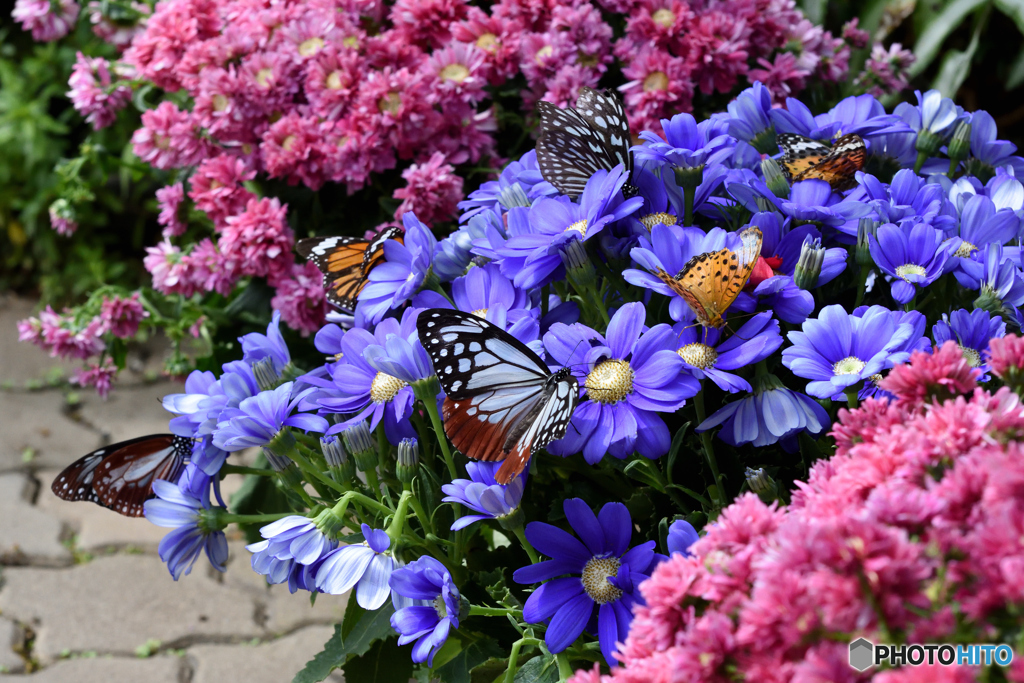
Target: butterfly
x,y
121,476
346,262
502,402
574,144
804,159
711,281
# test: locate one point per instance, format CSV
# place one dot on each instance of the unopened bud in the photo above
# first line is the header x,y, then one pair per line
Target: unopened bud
x,y
513,196
408,460
774,178
578,268
759,482
359,444
808,268
865,228
959,147
342,469
266,378
928,143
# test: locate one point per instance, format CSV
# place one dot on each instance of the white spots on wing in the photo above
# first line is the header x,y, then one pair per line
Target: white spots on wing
x,y
465,364
474,347
456,385
449,337
444,353
459,348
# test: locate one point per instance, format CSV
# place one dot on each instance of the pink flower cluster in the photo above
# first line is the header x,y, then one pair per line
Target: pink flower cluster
x,y
93,92
911,531
886,70
47,19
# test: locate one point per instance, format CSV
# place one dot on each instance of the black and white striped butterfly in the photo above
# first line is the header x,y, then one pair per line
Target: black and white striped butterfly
x,y
574,144
121,476
502,402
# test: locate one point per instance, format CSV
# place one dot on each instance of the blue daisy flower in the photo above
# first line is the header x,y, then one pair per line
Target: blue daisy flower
x,y
706,354
995,273
772,413
859,114
403,273
972,331
681,535
192,534
258,419
687,144
435,611
366,566
913,254
482,494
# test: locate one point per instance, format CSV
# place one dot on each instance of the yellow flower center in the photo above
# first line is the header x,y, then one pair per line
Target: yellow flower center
x,y
220,102
288,142
965,249
972,357
390,103
311,46
657,80
586,59
652,219
455,72
440,607
610,382
876,378
487,42
664,18
851,365
579,226
699,355
480,312
595,579
334,80
909,269
350,41
263,77
385,387
543,53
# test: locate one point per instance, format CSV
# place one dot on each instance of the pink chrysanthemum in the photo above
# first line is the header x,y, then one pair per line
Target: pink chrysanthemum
x,y
332,80
99,375
292,150
63,218
301,299
216,187
498,39
121,317
659,87
783,77
93,93
885,71
458,72
1006,358
117,33
170,200
210,269
432,191
931,377
856,37
169,138
426,22
48,20
468,135
719,50
169,272
259,240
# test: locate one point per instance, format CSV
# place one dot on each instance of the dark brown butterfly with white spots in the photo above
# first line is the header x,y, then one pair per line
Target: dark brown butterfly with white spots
x,y
837,164
346,262
121,476
574,144
501,401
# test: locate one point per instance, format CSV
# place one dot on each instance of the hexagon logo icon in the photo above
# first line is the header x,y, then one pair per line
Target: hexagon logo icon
x,y
861,654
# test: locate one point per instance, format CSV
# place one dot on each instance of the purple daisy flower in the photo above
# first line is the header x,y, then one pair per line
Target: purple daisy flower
x,y
681,535
704,353
771,414
493,195
994,272
534,259
982,224
913,254
435,610
482,494
972,331
405,269
297,575
486,292
687,144
603,572
182,512
814,200
859,114
987,150
750,118
908,196
256,346
296,538
258,419
782,244
367,566
837,350
629,377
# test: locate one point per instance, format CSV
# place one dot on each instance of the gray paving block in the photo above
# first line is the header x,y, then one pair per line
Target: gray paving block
x,y
11,637
34,420
27,534
129,411
160,669
276,661
114,604
21,361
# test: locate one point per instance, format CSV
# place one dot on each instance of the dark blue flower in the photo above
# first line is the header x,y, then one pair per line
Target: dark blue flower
x,y
913,254
837,350
705,354
771,414
972,331
687,144
453,255
813,200
859,114
482,494
296,538
493,194
328,340
681,535
406,265
183,512
256,346
603,572
750,113
908,197
437,603
987,149
366,566
629,376
781,246
994,272
258,419
936,114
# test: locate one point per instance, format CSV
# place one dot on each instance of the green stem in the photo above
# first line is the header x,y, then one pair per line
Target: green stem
x,y
312,471
564,668
239,469
919,162
481,611
688,196
861,283
365,501
709,449
398,523
230,518
851,398
521,535
429,402
426,523
513,662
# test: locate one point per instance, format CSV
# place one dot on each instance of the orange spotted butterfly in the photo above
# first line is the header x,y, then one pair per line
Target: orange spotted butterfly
x,y
346,262
804,159
121,476
711,281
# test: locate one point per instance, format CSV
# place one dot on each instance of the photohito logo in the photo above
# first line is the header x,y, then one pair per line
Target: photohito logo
x,y
864,654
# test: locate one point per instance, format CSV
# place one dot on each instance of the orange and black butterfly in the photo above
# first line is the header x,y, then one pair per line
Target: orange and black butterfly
x,y
710,282
346,262
804,159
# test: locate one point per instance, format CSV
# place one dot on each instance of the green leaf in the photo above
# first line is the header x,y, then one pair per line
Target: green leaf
x,y
471,656
353,638
543,669
1013,9
384,663
1016,75
673,451
957,65
814,10
490,671
944,23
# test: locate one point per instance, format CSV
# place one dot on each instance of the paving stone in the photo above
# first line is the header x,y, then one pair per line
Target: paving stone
x,y
276,661
27,534
20,361
96,527
160,669
34,420
280,611
129,411
112,605
11,637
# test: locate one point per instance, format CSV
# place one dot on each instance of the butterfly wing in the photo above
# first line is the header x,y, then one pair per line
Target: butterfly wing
x,y
800,153
346,262
120,476
839,167
500,396
604,111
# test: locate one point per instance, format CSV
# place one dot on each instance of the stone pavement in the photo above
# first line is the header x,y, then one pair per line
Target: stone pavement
x,y
83,595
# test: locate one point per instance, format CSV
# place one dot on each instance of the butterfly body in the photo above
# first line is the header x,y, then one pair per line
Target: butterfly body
x,y
710,282
837,164
120,476
346,262
501,401
575,143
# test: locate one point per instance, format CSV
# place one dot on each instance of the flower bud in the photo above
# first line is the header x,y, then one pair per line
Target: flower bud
x,y
774,178
266,378
758,481
359,444
928,143
989,301
408,460
808,268
960,146
579,270
513,196
342,469
865,228
287,473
